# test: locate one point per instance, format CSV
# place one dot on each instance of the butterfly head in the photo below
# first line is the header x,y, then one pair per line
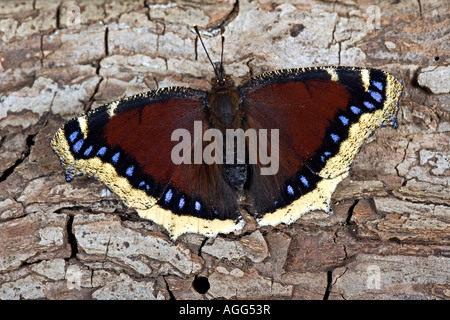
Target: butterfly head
x,y
222,82
224,103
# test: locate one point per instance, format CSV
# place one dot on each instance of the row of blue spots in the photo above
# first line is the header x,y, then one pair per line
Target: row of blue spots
x,y
197,205
355,110
375,95
169,195
130,170
290,189
79,144
101,152
345,121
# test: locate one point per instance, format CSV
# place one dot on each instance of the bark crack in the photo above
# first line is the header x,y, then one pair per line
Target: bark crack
x,y
201,246
25,154
171,295
106,42
71,236
329,285
348,221
420,9
403,160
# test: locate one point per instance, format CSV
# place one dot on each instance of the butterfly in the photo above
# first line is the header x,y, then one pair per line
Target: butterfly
x,y
285,139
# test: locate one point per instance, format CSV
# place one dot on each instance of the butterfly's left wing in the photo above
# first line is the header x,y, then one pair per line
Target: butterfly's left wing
x,y
323,116
128,146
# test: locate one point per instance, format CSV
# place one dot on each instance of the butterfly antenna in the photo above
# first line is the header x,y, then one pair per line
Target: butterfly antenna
x,y
221,57
206,51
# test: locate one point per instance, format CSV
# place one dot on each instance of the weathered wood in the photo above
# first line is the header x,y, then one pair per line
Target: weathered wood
x,y
389,237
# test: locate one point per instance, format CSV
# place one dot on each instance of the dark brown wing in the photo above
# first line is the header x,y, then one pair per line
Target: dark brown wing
x,y
128,146
323,116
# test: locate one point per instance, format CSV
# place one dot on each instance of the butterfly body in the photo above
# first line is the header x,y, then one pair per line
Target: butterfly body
x,y
311,123
224,105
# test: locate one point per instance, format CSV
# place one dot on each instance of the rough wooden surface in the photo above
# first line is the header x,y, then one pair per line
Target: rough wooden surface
x,y
390,235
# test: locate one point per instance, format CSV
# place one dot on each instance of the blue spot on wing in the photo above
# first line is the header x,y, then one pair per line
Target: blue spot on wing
x,y
290,190
181,203
129,171
376,95
115,158
326,154
197,206
73,136
378,85
101,151
355,110
87,151
168,196
369,105
344,120
77,146
335,137
304,181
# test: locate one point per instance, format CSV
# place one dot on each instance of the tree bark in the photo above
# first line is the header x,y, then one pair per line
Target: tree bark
x,y
389,237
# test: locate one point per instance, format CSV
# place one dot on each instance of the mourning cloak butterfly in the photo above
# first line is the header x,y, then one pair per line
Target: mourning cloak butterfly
x,y
312,122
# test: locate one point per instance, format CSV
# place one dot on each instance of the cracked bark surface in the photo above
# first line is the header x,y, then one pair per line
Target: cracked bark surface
x,y
389,237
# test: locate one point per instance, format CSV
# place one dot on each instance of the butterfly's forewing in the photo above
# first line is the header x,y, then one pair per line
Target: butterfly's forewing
x,y
323,116
128,145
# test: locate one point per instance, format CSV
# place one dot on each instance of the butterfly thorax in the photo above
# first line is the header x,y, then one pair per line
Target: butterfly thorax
x,y
224,105
225,113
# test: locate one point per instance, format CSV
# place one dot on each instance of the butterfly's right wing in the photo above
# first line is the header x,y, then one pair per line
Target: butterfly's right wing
x,y
323,116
